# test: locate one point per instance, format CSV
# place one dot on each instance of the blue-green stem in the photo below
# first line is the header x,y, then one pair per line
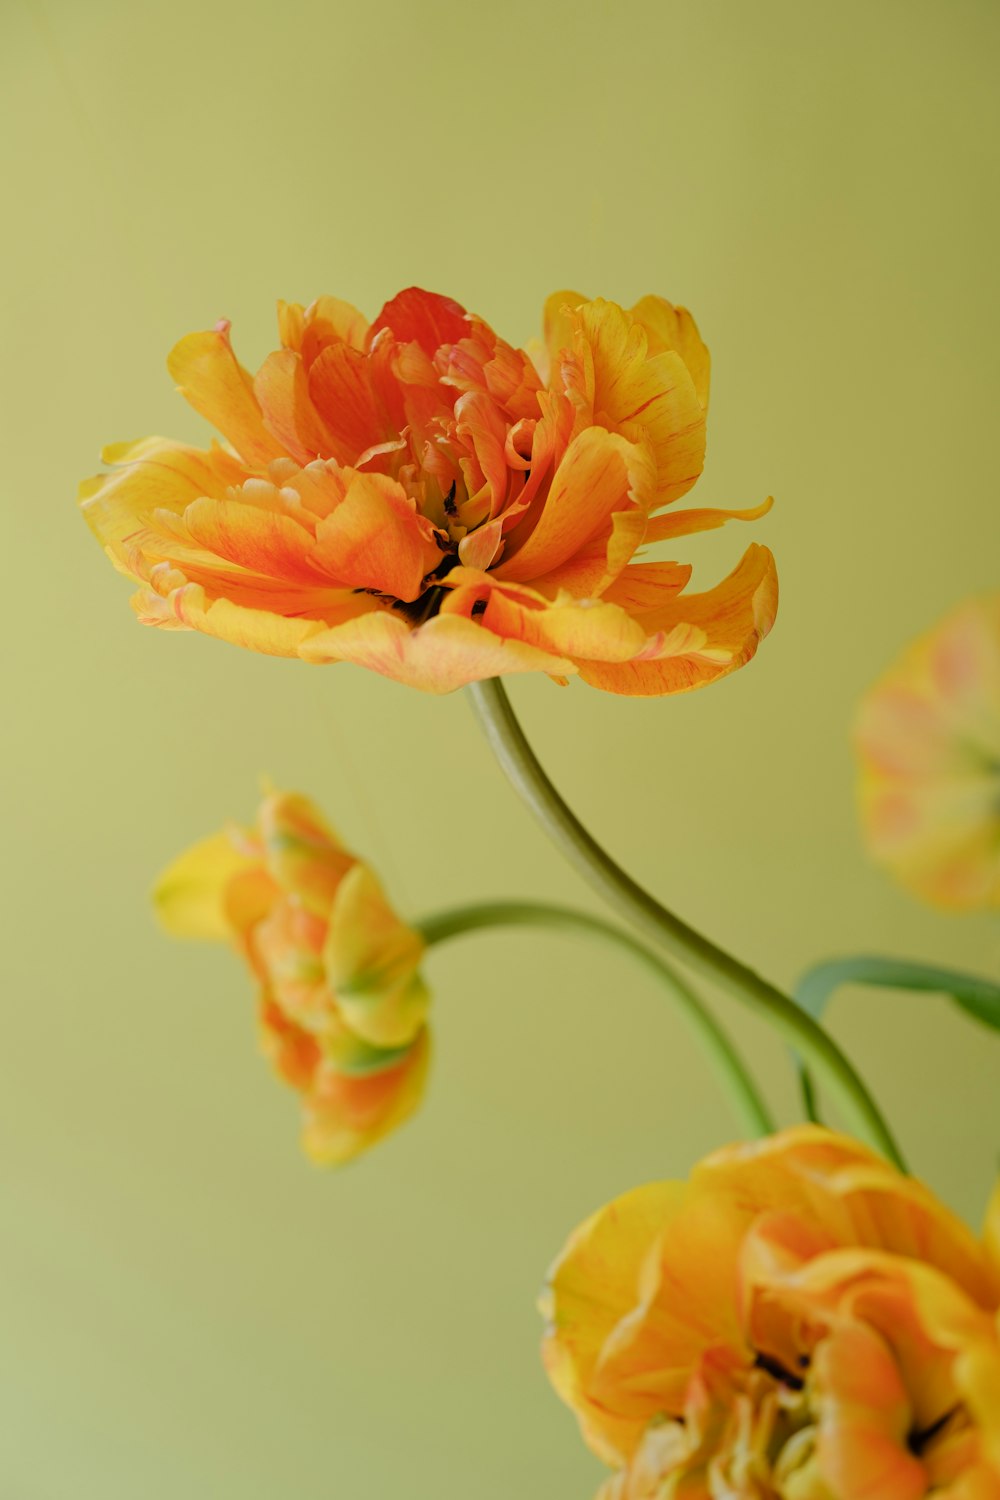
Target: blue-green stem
x,y
729,1068
669,932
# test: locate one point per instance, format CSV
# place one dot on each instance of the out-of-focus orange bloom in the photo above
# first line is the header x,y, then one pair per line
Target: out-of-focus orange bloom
x,y
342,1004
412,496
798,1321
928,738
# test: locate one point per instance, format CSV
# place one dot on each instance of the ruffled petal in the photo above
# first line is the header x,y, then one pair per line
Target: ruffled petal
x,y
371,960
445,653
705,635
592,1287
376,538
600,473
282,389
190,897
673,328
150,475
423,318
211,378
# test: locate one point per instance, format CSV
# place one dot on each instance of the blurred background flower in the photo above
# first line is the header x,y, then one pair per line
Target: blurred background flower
x,y
342,1005
928,741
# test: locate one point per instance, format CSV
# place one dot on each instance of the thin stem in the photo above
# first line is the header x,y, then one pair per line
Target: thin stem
x,y
724,1058
668,931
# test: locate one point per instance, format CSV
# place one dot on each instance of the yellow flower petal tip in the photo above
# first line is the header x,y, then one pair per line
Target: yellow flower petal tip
x,y
421,498
928,744
342,1005
798,1320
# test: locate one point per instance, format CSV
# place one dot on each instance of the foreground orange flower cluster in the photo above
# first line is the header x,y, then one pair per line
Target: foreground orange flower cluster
x,y
796,1322
342,1005
928,738
416,496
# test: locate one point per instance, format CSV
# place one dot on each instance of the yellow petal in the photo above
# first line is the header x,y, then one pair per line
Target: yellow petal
x,y
684,522
670,327
618,384
592,1287
151,475
371,960
211,378
187,606
190,897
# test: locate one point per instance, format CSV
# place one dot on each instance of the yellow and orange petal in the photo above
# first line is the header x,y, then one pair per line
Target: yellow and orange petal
x,y
797,1320
928,743
343,1004
367,468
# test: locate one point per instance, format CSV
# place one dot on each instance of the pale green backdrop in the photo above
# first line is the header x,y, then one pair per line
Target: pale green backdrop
x,y
189,1309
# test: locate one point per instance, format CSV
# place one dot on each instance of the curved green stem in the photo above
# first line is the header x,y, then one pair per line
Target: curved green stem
x,y
668,931
728,1065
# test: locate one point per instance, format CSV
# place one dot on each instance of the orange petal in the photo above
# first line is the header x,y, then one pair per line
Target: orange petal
x,y
346,1113
423,318
303,853
340,388
328,320
376,538
595,567
684,522
707,635
597,476
447,652
282,388
263,542
211,378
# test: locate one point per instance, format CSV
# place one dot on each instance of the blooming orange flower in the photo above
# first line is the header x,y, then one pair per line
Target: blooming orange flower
x,y
342,1005
797,1322
414,497
928,738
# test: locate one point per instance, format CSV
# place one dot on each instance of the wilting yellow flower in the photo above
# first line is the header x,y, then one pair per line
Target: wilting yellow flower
x,y
928,738
798,1321
342,1004
413,497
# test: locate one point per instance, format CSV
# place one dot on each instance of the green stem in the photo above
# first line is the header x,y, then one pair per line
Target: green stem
x,y
518,760
725,1060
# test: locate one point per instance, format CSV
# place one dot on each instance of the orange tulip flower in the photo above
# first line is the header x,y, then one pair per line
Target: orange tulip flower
x,y
798,1321
414,497
928,739
342,1005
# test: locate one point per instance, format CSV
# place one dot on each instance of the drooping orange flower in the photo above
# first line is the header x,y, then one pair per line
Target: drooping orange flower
x,y
798,1321
342,1006
412,496
928,739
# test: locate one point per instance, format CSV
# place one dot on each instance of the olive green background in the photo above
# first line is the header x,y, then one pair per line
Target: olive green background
x,y
190,1309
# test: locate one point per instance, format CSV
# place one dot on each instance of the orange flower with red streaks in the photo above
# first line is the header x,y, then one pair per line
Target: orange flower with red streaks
x,y
413,496
798,1321
342,1006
